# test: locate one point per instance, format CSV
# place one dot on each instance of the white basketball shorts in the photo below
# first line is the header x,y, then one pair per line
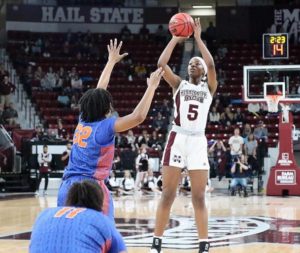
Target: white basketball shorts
x,y
188,151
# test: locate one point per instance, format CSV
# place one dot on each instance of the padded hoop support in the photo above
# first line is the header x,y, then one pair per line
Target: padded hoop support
x,y
284,178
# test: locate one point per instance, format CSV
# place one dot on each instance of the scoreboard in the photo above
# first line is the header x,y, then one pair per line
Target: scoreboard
x,y
275,46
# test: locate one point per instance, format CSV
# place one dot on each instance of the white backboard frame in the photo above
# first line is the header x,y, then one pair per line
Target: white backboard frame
x,y
247,69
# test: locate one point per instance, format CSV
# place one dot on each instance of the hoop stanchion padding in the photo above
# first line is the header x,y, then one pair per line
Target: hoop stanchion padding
x,y
284,177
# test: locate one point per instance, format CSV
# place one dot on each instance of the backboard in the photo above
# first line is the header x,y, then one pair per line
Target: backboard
x,y
261,81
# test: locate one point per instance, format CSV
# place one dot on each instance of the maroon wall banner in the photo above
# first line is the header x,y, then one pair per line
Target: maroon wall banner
x,y
249,23
93,14
288,21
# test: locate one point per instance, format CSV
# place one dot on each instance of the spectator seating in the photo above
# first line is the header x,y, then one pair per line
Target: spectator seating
x,y
127,93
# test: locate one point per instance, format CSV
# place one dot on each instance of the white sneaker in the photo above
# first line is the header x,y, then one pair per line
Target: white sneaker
x,y
45,193
37,193
155,251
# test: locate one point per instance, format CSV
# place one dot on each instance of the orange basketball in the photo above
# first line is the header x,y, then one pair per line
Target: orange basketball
x,y
181,25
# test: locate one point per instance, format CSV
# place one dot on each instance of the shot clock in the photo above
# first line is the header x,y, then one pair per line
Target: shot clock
x,y
275,46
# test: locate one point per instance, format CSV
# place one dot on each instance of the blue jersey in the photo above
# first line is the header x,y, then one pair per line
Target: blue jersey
x,y
93,149
71,229
108,206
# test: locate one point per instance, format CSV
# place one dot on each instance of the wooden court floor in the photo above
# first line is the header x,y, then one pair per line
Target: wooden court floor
x,y
237,225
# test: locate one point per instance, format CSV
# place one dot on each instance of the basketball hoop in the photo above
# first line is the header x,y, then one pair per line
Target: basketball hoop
x,y
272,102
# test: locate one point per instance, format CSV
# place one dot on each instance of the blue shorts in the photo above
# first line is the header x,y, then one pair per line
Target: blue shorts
x,y
108,205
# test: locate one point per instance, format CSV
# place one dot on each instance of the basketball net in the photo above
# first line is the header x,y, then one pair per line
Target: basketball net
x,y
272,102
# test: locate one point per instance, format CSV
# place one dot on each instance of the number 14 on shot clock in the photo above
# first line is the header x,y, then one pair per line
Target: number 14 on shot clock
x,y
275,46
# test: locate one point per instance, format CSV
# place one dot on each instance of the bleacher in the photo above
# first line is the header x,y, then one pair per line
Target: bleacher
x,y
127,93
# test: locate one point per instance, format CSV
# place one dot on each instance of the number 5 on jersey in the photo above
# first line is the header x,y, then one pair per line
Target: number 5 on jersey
x,y
193,112
81,134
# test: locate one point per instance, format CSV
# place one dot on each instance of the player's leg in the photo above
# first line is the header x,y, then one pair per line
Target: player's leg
x,y
46,176
139,180
170,177
173,161
198,184
198,167
38,183
144,177
108,205
137,184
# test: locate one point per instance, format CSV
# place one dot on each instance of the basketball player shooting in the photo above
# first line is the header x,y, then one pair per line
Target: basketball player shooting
x,y
187,144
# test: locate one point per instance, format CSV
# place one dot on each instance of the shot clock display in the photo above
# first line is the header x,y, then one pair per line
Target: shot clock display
x,y
275,46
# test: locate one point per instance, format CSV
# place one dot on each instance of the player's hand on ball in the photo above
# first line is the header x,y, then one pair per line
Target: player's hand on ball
x,y
114,51
197,28
155,78
179,39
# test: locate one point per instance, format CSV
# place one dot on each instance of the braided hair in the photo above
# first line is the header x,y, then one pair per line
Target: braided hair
x,y
95,104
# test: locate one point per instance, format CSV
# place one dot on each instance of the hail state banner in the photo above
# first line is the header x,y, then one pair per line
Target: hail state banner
x,y
61,18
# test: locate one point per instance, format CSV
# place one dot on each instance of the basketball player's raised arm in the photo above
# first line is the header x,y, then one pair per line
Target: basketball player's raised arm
x,y
113,57
172,79
207,57
141,110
